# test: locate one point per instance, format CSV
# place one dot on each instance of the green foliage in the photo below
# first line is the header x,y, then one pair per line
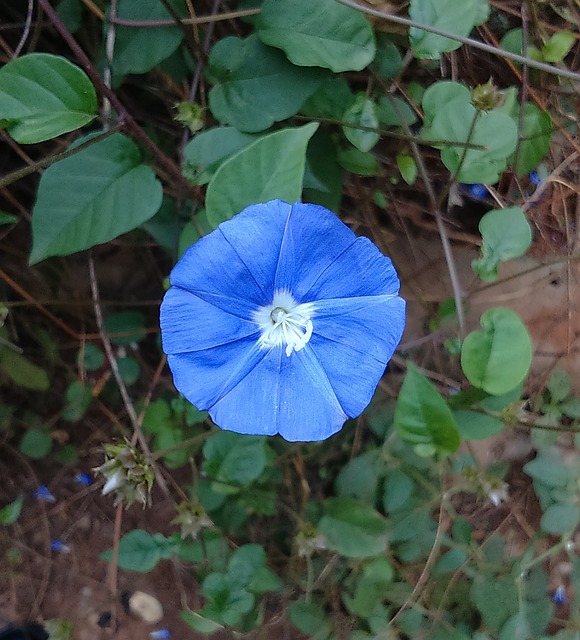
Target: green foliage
x,y
255,85
271,167
506,234
352,528
11,512
43,96
498,357
326,34
446,15
101,192
314,102
422,417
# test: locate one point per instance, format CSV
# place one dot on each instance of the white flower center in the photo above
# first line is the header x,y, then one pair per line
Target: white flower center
x,y
285,323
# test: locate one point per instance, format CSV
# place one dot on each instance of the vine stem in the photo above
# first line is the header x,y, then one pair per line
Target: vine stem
x,y
476,44
126,119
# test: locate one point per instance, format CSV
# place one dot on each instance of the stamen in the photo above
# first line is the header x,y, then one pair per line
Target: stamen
x,y
285,323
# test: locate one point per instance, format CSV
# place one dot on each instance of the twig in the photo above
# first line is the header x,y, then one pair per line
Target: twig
x,y
26,31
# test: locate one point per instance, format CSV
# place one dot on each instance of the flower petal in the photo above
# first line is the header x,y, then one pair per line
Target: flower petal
x,y
287,395
353,340
360,270
238,259
314,238
204,377
189,323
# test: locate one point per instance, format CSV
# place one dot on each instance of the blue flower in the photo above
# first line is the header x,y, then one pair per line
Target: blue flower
x,y
281,321
43,494
476,191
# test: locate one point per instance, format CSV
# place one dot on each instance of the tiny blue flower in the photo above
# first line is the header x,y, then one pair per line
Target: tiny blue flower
x,y
559,595
160,634
43,494
83,478
535,178
58,546
281,321
476,191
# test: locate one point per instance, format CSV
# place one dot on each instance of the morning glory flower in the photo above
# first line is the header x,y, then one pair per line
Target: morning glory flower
x,y
281,321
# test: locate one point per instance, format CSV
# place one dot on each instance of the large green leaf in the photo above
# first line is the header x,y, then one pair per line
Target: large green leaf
x,y
92,197
139,49
495,133
506,234
422,416
43,96
272,167
318,34
448,15
497,358
353,528
255,85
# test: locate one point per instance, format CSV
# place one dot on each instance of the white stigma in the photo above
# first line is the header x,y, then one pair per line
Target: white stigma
x,y
285,323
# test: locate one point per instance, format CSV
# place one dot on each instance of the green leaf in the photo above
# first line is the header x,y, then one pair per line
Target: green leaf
x,y
359,162
141,551
516,628
536,138
308,617
36,444
272,167
362,112
388,60
398,489
440,94
43,96
558,46
352,528
474,425
321,34
359,478
198,623
494,132
7,218
330,100
129,369
571,408
255,85
322,175
506,234
558,385
548,469
447,15
497,358
78,396
422,415
23,372
92,197
125,327
496,598
204,154
394,112
226,603
139,49
234,458
407,167
93,358
11,512
560,518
